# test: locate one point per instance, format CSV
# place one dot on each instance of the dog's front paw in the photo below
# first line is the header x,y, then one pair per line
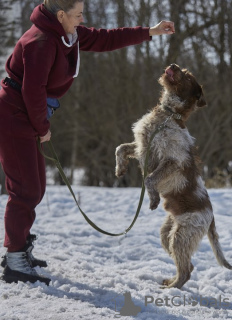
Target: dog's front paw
x,y
153,194
120,171
154,202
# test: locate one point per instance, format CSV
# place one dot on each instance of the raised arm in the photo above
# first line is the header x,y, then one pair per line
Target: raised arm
x,y
100,40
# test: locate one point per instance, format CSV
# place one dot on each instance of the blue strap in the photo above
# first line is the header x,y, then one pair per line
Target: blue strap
x,y
52,105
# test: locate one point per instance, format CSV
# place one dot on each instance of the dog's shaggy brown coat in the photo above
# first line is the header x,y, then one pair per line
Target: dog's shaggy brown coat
x,y
173,172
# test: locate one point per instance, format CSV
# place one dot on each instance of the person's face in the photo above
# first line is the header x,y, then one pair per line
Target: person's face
x,y
72,18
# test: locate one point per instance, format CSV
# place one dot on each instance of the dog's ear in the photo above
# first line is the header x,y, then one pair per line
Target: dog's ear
x,y
201,102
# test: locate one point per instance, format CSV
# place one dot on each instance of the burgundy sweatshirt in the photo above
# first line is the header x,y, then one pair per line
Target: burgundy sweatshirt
x,y
45,66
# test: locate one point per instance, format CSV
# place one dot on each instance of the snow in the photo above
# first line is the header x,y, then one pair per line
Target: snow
x,y
91,272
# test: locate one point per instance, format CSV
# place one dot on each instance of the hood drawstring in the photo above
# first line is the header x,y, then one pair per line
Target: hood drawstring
x,y
72,41
78,61
65,43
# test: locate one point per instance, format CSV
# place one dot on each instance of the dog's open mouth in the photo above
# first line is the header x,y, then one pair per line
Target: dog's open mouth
x,y
170,73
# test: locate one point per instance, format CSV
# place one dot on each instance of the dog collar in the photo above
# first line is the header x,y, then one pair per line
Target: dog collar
x,y
175,115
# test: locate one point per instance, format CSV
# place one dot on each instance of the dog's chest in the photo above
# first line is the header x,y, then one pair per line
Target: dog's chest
x,y
169,142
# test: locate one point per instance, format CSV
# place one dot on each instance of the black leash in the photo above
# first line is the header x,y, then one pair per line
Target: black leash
x,y
56,161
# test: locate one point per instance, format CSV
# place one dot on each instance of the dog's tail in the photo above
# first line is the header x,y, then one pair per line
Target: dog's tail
x,y
214,241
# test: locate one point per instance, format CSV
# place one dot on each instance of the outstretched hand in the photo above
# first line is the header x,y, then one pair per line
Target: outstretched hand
x,y
164,27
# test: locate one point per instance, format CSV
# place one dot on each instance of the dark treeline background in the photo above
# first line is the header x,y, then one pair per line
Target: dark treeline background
x,y
115,89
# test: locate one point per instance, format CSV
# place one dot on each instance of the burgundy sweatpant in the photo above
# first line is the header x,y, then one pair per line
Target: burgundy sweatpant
x,y
24,168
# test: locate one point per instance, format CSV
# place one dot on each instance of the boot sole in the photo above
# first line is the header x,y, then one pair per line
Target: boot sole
x,y
34,263
10,276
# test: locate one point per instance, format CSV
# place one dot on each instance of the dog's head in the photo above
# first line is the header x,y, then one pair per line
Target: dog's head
x,y
184,85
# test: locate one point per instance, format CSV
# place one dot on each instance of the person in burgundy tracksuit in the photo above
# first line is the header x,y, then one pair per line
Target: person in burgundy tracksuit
x,y
43,65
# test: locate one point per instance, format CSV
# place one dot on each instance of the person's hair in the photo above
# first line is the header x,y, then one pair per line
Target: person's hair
x,y
54,6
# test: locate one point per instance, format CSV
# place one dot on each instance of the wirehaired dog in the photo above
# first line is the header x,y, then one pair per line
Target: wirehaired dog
x,y
173,172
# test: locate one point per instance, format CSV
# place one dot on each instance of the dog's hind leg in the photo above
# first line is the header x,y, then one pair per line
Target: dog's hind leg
x,y
184,240
182,259
123,153
165,241
169,282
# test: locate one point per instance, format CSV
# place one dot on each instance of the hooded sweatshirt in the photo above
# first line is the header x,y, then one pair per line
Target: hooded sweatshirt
x,y
44,61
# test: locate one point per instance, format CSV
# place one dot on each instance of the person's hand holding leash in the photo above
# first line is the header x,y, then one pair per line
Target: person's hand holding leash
x,y
47,137
164,27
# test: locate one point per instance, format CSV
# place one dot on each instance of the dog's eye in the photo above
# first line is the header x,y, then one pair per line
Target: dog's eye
x,y
188,79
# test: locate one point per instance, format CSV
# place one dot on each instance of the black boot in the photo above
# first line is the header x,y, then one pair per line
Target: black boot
x,y
18,268
28,248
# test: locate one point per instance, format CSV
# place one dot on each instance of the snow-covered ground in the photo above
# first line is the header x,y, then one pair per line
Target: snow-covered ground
x,y
91,272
